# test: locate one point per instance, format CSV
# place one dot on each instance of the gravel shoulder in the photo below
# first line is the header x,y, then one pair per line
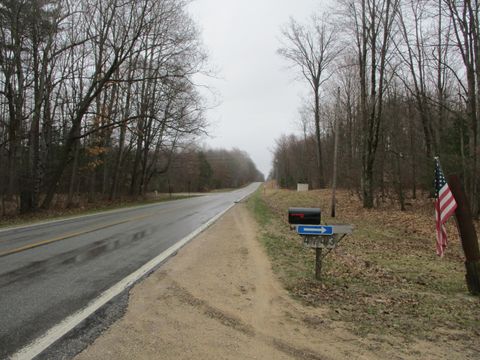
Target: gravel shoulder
x,y
219,299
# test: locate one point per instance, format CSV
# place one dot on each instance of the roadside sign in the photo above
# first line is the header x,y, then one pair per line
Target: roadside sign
x,y
314,230
323,230
306,222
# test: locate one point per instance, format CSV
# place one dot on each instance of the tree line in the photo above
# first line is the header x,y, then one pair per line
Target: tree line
x,y
198,170
96,97
392,84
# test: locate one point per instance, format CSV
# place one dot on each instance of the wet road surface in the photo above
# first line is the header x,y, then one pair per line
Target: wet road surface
x,y
49,271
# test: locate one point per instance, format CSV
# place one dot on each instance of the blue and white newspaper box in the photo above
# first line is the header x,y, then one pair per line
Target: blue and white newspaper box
x,y
306,222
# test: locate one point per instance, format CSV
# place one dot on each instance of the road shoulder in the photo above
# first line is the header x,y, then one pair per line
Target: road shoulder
x,y
218,299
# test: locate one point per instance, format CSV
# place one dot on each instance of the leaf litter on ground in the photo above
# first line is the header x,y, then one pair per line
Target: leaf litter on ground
x,y
384,279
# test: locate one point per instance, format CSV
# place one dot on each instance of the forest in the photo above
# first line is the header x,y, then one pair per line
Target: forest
x,y
98,101
197,170
391,84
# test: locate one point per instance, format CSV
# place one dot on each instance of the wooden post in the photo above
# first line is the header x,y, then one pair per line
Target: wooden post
x,y
468,235
318,263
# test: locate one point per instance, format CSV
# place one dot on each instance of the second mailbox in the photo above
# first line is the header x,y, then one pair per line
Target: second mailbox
x,y
304,216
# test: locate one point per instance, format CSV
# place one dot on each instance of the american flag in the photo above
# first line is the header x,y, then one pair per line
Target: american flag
x,y
445,206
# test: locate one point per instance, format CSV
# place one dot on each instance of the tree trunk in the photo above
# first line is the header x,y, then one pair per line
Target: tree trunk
x,y
399,184
321,179
367,186
73,176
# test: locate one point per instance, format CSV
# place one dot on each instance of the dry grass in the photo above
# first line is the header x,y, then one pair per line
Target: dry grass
x,y
383,279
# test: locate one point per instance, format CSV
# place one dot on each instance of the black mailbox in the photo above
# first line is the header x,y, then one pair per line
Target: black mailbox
x,y
304,216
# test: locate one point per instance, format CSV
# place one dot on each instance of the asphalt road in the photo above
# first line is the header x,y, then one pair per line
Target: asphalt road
x,y
50,271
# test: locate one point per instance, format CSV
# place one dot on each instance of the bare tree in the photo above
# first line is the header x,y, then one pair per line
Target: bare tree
x,y
311,49
371,23
86,84
466,37
409,82
411,20
114,29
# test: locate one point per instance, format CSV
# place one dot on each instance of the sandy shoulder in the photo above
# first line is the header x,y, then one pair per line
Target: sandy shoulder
x,y
218,299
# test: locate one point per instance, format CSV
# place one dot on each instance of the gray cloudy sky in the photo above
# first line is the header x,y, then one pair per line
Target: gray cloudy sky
x,y
259,95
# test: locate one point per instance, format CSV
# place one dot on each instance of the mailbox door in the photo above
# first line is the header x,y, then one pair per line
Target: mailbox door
x,y
304,216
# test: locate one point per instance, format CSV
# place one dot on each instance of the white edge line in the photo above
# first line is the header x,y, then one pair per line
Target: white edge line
x,y
56,332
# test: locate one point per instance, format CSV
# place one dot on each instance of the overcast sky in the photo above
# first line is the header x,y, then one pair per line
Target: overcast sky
x,y
259,94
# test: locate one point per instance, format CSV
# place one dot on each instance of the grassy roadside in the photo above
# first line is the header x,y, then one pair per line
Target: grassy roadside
x,y
385,279
290,260
58,214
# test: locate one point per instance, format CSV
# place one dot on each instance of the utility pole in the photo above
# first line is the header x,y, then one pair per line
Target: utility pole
x,y
335,152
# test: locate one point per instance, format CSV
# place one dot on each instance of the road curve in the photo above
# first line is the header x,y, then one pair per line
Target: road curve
x,y
49,271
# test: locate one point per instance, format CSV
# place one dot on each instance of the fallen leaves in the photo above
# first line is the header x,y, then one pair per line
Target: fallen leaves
x,y
385,277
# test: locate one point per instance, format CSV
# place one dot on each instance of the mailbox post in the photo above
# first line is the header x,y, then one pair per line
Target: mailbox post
x,y
306,222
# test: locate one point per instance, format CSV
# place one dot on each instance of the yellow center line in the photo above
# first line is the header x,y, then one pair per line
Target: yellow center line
x,y
73,234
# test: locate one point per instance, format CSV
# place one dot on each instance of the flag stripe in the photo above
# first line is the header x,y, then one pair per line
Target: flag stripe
x,y
444,207
443,190
445,204
446,197
448,211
